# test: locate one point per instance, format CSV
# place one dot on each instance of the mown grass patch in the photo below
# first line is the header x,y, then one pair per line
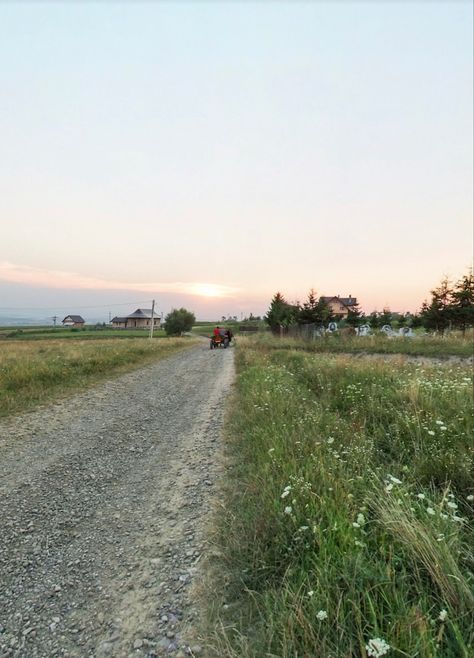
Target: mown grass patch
x,y
346,521
33,372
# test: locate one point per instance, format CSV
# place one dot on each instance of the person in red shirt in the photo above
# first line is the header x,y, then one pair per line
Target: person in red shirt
x,y
217,331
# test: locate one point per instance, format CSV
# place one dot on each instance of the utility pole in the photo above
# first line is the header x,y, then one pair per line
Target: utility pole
x,y
54,318
152,318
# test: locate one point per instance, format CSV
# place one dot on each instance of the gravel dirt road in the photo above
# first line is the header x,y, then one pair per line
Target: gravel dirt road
x,y
104,501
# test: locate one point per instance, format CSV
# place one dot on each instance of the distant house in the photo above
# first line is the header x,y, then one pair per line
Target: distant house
x,y
340,306
119,323
73,321
139,319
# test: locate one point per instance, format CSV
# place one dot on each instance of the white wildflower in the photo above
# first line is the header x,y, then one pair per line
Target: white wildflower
x,y
330,440
394,479
285,493
421,496
288,510
355,525
443,428
431,433
389,487
431,511
310,593
322,615
443,615
377,647
360,519
439,422
452,505
470,498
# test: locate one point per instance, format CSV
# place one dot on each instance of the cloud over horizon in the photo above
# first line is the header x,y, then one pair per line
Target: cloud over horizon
x,y
38,277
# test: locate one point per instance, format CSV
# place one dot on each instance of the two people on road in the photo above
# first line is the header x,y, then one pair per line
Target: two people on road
x,y
221,335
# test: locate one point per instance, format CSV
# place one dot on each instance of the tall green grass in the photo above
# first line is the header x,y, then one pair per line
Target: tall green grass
x,y
346,517
33,372
454,344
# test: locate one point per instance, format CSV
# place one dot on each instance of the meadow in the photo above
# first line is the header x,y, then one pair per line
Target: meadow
x,y
346,524
422,344
38,370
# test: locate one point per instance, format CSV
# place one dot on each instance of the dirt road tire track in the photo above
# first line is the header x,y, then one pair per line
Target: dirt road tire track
x,y
104,500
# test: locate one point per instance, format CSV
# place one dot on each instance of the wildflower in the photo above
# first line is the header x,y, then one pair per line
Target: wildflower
x,y
377,647
285,493
389,487
288,510
360,519
470,498
355,525
444,516
322,615
452,505
310,593
359,543
394,480
431,511
439,422
421,496
443,428
431,433
443,615
331,439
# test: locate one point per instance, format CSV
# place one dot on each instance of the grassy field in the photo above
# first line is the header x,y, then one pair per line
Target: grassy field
x,y
421,345
73,333
346,526
33,371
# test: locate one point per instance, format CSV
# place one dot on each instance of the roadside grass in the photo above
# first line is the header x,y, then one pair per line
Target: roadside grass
x,y
34,372
454,344
74,333
347,510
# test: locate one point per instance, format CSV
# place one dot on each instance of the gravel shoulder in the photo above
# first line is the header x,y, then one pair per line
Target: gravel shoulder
x,y
104,502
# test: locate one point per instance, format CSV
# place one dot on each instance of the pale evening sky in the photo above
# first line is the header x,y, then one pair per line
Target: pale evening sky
x,y
209,154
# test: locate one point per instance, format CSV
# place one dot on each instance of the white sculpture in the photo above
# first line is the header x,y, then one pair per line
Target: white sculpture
x,y
364,330
387,330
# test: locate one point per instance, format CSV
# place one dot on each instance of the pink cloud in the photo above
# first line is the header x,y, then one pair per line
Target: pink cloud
x,y
38,277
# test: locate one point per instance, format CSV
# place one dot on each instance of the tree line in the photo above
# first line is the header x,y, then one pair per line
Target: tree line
x,y
451,307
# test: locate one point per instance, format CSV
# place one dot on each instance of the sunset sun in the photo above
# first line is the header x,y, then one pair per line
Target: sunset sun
x,y
207,290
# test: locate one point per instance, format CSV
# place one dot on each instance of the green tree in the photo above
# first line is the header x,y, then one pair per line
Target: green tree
x,y
438,313
178,321
314,311
281,313
385,317
374,320
462,302
354,317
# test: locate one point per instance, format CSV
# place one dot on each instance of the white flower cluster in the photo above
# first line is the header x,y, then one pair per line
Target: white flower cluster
x,y
286,492
377,647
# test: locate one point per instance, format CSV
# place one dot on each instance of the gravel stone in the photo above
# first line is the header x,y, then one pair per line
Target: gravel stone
x,y
104,502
